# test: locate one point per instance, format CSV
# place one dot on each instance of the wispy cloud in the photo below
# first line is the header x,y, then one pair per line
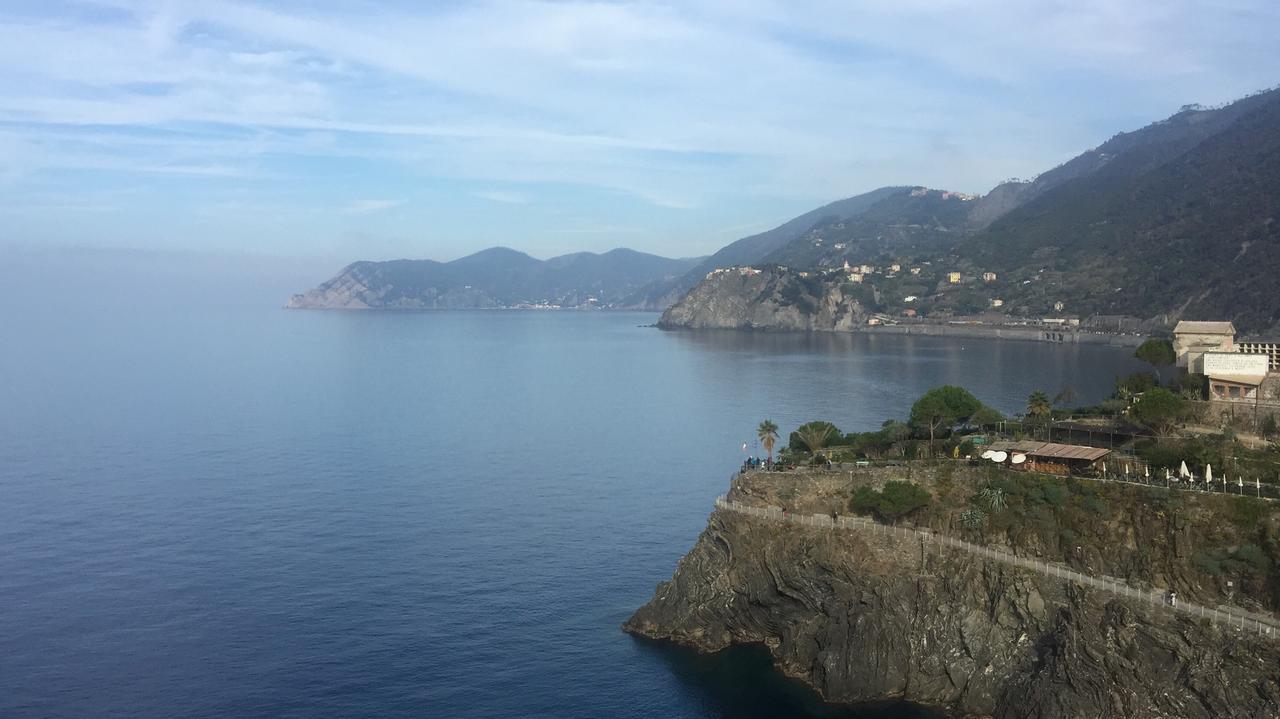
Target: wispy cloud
x,y
510,198
706,114
365,207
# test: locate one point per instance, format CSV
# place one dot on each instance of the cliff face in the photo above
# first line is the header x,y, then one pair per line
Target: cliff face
x,y
864,617
769,299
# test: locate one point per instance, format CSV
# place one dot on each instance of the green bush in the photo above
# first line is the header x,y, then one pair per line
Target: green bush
x,y
898,499
864,500
1251,559
1055,494
1209,562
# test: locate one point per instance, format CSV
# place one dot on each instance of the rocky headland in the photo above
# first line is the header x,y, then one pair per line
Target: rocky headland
x,y
864,616
768,299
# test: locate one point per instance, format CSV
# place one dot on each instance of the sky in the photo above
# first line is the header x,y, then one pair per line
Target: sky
x,y
334,131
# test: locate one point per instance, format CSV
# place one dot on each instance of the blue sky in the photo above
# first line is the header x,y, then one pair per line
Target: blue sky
x,y
343,130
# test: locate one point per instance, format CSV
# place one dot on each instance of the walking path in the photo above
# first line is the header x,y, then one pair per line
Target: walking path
x,y
1226,616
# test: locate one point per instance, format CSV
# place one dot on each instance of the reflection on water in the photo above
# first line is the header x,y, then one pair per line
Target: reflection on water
x,y
882,372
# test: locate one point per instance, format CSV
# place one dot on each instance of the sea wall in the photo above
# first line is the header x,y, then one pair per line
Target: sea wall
x,y
1063,335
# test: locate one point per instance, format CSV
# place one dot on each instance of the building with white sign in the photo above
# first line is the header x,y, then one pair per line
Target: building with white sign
x,y
1234,376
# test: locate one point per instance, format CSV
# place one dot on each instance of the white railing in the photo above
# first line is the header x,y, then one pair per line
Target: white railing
x,y
1227,616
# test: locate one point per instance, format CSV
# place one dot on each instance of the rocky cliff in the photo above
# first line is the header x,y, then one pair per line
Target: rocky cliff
x,y
863,617
773,299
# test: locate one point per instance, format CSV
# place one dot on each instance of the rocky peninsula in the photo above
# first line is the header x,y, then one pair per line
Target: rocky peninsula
x,y
864,616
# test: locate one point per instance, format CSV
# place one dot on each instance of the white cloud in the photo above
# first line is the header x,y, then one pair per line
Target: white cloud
x,y
680,106
510,198
365,207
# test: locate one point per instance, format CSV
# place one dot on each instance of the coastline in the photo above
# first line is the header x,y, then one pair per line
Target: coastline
x,y
1056,335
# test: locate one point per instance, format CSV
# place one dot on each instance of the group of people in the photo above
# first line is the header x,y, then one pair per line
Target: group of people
x,y
767,465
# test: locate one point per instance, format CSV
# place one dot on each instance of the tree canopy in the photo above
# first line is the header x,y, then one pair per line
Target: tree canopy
x,y
1156,352
1038,404
813,436
943,407
1158,408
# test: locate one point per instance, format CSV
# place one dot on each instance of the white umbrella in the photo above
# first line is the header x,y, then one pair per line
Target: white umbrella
x,y
1208,473
1146,471
1183,471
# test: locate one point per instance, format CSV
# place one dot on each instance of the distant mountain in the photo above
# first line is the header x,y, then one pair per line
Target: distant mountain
x,y
1177,219
1188,226
496,277
908,221
748,250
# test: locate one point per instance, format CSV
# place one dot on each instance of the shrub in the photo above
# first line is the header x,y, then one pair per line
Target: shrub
x,y
1207,562
1248,512
1096,505
899,499
864,500
1054,494
1251,558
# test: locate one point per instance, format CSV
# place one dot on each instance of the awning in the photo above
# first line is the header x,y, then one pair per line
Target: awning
x,y
1052,450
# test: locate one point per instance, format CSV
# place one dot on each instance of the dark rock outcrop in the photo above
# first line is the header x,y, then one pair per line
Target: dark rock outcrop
x,y
772,299
864,617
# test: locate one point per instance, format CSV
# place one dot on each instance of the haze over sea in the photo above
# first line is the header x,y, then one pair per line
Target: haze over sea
x,y
213,507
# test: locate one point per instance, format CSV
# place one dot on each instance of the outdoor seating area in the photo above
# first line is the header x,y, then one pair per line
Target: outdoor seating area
x,y
1046,457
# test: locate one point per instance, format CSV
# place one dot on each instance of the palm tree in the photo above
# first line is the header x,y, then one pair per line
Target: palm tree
x,y
816,435
768,434
1038,404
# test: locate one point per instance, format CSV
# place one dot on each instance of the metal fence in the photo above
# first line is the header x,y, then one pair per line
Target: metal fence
x,y
1224,615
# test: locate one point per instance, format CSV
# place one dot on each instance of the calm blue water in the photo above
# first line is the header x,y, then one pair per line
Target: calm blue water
x,y
242,511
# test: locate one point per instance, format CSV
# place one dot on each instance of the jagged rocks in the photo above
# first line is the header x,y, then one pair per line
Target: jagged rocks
x,y
865,618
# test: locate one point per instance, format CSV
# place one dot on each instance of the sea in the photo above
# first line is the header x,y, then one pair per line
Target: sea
x,y
220,508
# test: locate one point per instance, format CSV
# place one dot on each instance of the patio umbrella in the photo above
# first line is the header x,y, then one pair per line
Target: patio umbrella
x,y
1183,471
1208,474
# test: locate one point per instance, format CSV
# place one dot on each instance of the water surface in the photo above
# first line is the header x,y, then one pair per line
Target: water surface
x,y
236,510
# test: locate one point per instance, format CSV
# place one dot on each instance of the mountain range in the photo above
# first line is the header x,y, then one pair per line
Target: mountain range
x,y
492,278
1175,219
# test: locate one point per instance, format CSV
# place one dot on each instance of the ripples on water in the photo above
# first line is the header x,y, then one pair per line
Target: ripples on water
x,y
264,513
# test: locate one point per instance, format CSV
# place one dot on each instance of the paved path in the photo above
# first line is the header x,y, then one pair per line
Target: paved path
x,y
1225,615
